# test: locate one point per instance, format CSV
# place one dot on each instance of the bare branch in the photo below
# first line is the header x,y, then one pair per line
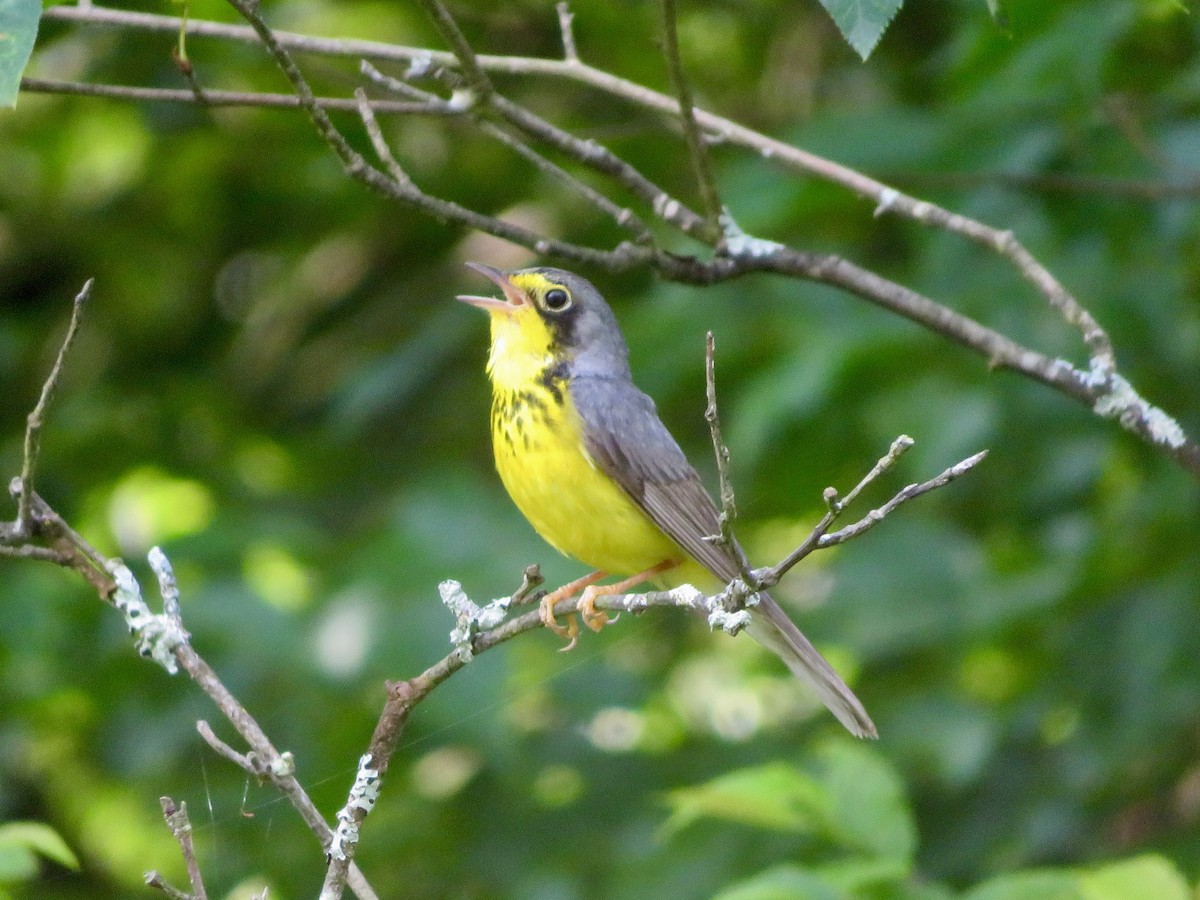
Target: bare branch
x,y
565,18
250,763
603,160
875,516
721,452
885,198
477,79
33,424
32,551
181,828
443,210
219,98
155,880
701,164
771,576
899,447
622,216
378,141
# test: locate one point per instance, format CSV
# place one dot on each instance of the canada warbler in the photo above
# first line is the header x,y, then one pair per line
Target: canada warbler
x,y
589,463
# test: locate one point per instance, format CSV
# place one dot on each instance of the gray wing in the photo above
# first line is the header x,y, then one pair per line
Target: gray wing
x,y
627,440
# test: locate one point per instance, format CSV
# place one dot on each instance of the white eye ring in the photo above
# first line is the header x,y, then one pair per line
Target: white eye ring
x,y
556,299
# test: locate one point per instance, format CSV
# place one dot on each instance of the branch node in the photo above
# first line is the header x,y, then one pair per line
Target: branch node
x,y
462,99
1118,399
887,200
736,243
284,765
156,637
470,617
727,610
177,820
420,66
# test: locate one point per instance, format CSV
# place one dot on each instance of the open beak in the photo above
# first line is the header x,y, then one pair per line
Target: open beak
x,y
515,297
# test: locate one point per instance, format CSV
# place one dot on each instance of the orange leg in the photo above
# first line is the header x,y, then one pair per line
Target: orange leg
x,y
596,619
546,607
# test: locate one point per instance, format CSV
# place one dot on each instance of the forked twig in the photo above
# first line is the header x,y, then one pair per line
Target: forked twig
x,y
181,828
37,418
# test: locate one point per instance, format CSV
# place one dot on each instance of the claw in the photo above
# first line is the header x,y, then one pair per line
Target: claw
x,y
546,614
572,632
546,608
593,618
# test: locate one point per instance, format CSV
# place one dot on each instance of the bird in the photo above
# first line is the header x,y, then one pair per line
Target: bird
x,y
585,457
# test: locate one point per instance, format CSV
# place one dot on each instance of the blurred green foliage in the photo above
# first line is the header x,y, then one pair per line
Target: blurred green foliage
x,y
273,382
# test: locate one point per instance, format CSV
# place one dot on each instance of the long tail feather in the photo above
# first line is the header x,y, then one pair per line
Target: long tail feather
x,y
771,627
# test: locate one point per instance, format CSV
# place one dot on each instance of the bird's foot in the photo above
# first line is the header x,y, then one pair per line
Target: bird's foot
x,y
593,618
569,632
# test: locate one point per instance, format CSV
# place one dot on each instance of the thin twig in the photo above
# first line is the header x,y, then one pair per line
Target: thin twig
x,y
701,164
460,46
565,19
36,419
770,576
728,501
899,447
819,538
32,551
382,149
67,547
588,152
155,880
622,216
219,98
443,210
875,516
531,580
181,828
720,451
188,71
595,155
248,762
402,87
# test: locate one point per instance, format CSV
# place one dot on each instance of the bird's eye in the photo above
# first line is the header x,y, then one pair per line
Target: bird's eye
x,y
556,299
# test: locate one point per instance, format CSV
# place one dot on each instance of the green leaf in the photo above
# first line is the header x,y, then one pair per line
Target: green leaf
x,y
18,29
782,883
21,842
868,808
1039,885
1142,876
774,796
862,22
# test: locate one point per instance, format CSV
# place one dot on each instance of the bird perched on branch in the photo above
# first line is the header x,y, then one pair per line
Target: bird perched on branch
x,y
589,463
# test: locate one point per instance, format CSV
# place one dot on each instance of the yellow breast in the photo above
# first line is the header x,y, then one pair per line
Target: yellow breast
x,y
538,443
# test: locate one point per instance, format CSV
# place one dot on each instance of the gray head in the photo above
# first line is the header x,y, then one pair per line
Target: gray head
x,y
560,314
